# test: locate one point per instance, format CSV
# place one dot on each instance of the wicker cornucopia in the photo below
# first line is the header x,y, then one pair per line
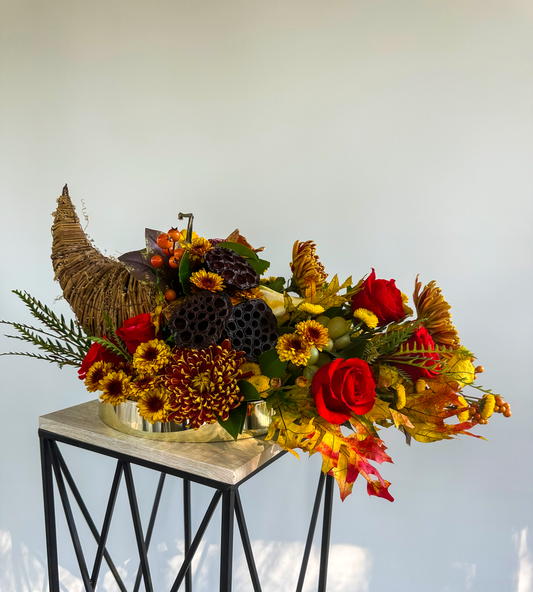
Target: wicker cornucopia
x,y
92,282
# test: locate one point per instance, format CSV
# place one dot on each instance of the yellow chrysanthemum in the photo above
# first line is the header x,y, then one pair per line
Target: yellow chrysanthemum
x,y
460,369
367,316
207,280
251,294
198,248
155,405
463,415
306,267
141,385
399,397
251,367
486,406
293,347
151,356
115,387
431,306
314,309
95,375
261,383
314,333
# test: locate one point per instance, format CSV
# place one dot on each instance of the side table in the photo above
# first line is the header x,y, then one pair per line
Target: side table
x,y
223,466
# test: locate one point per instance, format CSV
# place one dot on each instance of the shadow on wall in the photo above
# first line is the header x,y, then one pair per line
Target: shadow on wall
x,y
277,564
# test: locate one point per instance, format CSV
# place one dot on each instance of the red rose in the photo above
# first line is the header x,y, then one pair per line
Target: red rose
x,y
423,340
343,386
381,297
97,353
137,330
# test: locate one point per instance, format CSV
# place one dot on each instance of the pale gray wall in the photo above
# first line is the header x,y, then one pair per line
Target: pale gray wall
x,y
397,134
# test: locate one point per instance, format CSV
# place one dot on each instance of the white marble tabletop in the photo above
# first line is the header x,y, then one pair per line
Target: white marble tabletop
x,y
227,462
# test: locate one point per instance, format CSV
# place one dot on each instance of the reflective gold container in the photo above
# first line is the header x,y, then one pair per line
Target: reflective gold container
x,y
125,418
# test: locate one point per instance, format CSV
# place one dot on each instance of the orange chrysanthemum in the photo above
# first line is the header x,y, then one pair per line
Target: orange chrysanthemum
x,y
203,383
431,306
292,347
314,333
306,267
206,280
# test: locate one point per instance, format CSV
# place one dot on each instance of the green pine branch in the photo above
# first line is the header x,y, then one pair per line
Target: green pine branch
x,y
64,342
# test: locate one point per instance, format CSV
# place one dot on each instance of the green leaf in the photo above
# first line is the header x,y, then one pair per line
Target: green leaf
x,y
260,266
334,311
185,273
235,422
240,250
278,285
248,390
286,329
354,350
271,365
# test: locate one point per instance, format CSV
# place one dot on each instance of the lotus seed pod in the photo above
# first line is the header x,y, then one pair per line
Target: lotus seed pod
x,y
252,328
233,268
199,321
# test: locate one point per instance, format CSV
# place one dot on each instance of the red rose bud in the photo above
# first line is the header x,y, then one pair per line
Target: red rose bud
x,y
381,297
422,340
343,386
97,353
137,330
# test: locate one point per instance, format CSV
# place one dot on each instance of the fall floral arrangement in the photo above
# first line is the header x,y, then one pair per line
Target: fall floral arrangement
x,y
335,362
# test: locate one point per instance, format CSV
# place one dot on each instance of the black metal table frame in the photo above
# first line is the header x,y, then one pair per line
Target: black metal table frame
x,y
53,464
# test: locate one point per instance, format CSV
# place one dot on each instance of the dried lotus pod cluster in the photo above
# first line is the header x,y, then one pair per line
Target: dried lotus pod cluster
x,y
252,328
234,269
200,320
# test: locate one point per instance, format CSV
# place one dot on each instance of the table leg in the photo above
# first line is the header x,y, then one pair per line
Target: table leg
x,y
326,534
187,528
49,515
226,542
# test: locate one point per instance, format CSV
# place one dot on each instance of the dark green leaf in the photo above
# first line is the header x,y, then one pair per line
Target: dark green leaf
x,y
235,422
334,311
286,329
185,273
271,365
260,266
354,350
248,390
240,250
277,285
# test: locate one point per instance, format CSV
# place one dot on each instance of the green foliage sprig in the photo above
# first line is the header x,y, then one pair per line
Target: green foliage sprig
x,y
64,342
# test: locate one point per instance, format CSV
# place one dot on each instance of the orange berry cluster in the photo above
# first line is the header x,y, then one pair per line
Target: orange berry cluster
x,y
502,407
167,241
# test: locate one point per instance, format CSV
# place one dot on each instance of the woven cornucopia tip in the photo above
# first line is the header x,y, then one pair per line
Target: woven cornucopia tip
x,y
91,282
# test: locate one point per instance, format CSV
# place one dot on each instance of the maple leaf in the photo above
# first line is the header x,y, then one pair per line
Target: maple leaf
x,y
343,457
328,297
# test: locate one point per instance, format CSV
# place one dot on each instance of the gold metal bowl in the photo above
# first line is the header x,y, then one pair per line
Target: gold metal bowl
x,y
125,418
